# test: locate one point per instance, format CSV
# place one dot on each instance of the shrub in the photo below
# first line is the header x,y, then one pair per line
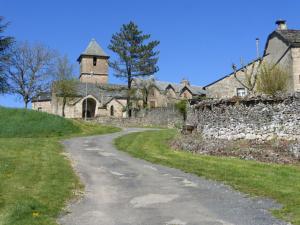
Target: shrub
x,y
272,79
181,106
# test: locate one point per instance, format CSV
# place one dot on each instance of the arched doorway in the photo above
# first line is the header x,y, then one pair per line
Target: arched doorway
x,y
88,108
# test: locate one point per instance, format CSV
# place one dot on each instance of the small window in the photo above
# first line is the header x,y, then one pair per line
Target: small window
x,y
39,109
112,111
241,92
94,61
151,92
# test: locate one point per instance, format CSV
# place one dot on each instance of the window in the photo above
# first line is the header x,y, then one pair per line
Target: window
x,y
94,61
112,111
241,92
39,108
151,92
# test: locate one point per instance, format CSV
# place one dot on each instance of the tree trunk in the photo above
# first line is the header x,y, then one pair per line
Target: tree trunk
x,y
128,96
63,106
26,101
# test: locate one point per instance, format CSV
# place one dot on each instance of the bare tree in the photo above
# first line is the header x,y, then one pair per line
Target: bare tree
x,y
65,84
250,74
30,68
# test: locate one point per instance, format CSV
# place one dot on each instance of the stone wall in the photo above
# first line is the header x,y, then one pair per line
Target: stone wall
x,y
157,117
43,106
100,70
262,118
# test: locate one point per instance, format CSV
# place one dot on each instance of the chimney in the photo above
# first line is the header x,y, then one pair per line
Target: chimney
x,y
257,47
281,25
185,82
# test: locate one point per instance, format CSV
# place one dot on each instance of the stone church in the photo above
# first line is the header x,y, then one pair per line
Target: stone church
x,y
96,97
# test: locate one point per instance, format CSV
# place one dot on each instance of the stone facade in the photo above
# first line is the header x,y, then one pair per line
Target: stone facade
x,y
282,48
296,68
116,108
261,118
279,52
95,79
228,86
165,94
42,106
94,73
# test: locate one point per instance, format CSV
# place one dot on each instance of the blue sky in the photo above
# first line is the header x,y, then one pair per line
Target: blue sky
x,y
199,39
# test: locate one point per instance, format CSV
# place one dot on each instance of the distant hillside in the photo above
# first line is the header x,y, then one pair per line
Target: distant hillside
x,y
29,123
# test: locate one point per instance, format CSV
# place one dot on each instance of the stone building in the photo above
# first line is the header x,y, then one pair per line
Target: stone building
x,y
164,94
282,48
96,97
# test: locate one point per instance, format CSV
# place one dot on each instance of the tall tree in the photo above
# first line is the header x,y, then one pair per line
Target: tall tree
x,y
65,84
30,70
5,43
136,56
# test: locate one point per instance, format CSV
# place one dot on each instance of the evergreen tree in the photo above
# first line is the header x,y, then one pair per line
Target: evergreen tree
x,y
5,43
136,56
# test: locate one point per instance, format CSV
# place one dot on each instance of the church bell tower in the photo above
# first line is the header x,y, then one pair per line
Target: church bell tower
x,y
93,64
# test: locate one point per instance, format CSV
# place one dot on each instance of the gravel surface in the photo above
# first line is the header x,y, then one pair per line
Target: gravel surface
x,y
121,190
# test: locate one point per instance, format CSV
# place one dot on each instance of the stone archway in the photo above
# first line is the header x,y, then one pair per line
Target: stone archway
x,y
89,108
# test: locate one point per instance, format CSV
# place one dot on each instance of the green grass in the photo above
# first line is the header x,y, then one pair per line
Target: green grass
x,y
279,182
29,123
36,179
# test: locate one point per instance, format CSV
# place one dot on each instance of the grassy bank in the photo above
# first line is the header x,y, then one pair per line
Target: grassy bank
x,y
279,182
36,178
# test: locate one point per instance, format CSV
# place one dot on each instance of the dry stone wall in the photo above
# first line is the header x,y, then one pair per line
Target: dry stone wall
x,y
261,118
157,117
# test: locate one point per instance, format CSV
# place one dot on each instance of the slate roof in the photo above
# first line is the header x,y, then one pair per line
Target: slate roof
x,y
104,92
291,36
162,86
94,49
42,97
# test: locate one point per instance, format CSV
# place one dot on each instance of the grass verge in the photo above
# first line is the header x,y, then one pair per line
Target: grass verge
x,y
279,182
36,179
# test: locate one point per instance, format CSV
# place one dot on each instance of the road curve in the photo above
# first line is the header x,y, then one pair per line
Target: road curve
x,y
121,190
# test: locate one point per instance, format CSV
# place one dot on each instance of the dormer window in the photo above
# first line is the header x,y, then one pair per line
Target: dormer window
x,y
94,61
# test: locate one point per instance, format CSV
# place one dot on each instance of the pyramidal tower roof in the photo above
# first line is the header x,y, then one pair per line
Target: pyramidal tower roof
x,y
93,49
